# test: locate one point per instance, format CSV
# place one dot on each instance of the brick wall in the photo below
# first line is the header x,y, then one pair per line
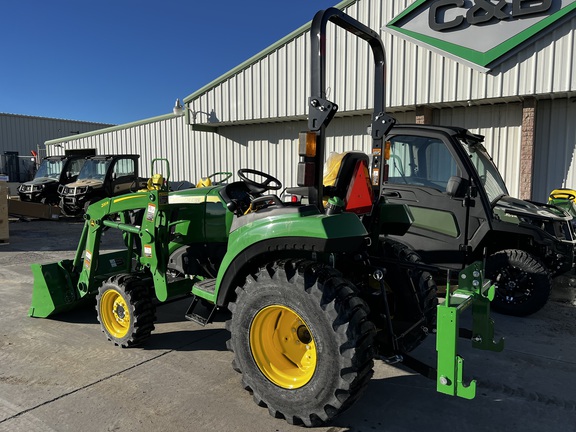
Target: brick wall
x,y
527,148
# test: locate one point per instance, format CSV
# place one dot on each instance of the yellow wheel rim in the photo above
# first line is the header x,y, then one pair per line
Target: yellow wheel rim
x,y
283,347
114,314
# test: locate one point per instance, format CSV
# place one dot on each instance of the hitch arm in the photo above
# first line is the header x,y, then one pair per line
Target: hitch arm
x,y
472,291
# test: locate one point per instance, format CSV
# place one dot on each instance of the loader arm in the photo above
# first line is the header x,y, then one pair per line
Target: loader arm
x,y
64,285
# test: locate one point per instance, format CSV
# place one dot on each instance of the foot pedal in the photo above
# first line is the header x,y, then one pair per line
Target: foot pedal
x,y
200,311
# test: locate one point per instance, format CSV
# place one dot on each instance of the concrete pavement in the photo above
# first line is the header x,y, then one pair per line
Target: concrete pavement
x,y
62,374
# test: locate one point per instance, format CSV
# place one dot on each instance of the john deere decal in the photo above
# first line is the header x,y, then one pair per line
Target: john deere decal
x,y
477,31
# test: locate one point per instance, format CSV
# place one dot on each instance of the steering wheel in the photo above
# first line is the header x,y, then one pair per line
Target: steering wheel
x,y
269,182
563,195
225,175
207,181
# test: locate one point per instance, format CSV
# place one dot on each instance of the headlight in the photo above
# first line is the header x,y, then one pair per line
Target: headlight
x,y
37,188
532,221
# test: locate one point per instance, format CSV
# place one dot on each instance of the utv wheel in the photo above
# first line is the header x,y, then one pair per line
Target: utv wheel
x,y
86,205
522,282
64,209
125,310
302,341
414,294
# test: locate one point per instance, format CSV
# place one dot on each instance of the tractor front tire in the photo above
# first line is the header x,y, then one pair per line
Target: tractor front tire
x,y
302,341
125,309
523,283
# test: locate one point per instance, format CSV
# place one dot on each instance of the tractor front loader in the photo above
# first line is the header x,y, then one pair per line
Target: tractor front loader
x,y
313,299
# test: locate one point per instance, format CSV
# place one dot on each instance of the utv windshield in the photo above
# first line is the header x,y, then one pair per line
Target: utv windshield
x,y
487,171
49,168
94,169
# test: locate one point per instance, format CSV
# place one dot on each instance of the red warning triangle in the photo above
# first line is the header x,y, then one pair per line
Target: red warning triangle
x,y
359,195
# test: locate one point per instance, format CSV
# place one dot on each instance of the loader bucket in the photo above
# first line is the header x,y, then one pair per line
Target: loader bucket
x,y
54,291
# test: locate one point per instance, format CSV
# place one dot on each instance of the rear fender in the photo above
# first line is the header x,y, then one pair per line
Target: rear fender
x,y
288,235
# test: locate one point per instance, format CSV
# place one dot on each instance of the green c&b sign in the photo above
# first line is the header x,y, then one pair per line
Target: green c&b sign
x,y
477,31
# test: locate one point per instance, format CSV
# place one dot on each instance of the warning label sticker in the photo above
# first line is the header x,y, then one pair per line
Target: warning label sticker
x,y
151,212
87,259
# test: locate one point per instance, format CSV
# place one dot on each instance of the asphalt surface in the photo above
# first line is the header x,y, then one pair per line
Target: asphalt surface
x,y
62,374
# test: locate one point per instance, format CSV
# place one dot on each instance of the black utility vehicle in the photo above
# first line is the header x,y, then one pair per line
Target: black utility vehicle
x,y
460,203
101,176
52,172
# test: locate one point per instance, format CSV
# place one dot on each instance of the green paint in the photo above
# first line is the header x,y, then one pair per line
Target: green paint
x,y
435,220
473,291
480,58
290,225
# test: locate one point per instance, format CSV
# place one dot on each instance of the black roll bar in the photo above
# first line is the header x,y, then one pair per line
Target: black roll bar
x,y
321,111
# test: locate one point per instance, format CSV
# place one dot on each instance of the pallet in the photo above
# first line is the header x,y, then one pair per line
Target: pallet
x,y
32,210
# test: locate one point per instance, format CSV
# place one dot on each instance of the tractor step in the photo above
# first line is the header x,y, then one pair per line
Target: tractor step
x,y
207,285
200,311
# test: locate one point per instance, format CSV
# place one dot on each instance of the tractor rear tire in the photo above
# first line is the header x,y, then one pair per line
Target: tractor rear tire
x,y
302,341
415,294
523,283
125,310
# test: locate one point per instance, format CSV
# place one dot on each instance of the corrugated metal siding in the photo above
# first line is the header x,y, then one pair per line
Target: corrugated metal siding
x,y
501,126
269,147
555,150
194,154
277,85
161,139
419,76
273,147
25,133
544,66
273,87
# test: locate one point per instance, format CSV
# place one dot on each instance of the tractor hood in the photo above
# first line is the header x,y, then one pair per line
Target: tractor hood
x,y
530,209
195,195
85,182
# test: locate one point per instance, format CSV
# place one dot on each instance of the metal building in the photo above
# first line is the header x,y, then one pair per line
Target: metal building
x,y
22,137
519,94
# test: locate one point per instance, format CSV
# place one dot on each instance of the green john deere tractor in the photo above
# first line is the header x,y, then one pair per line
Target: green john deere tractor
x,y
313,299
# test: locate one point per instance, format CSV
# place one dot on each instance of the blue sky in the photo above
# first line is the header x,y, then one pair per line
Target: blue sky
x,y
117,61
